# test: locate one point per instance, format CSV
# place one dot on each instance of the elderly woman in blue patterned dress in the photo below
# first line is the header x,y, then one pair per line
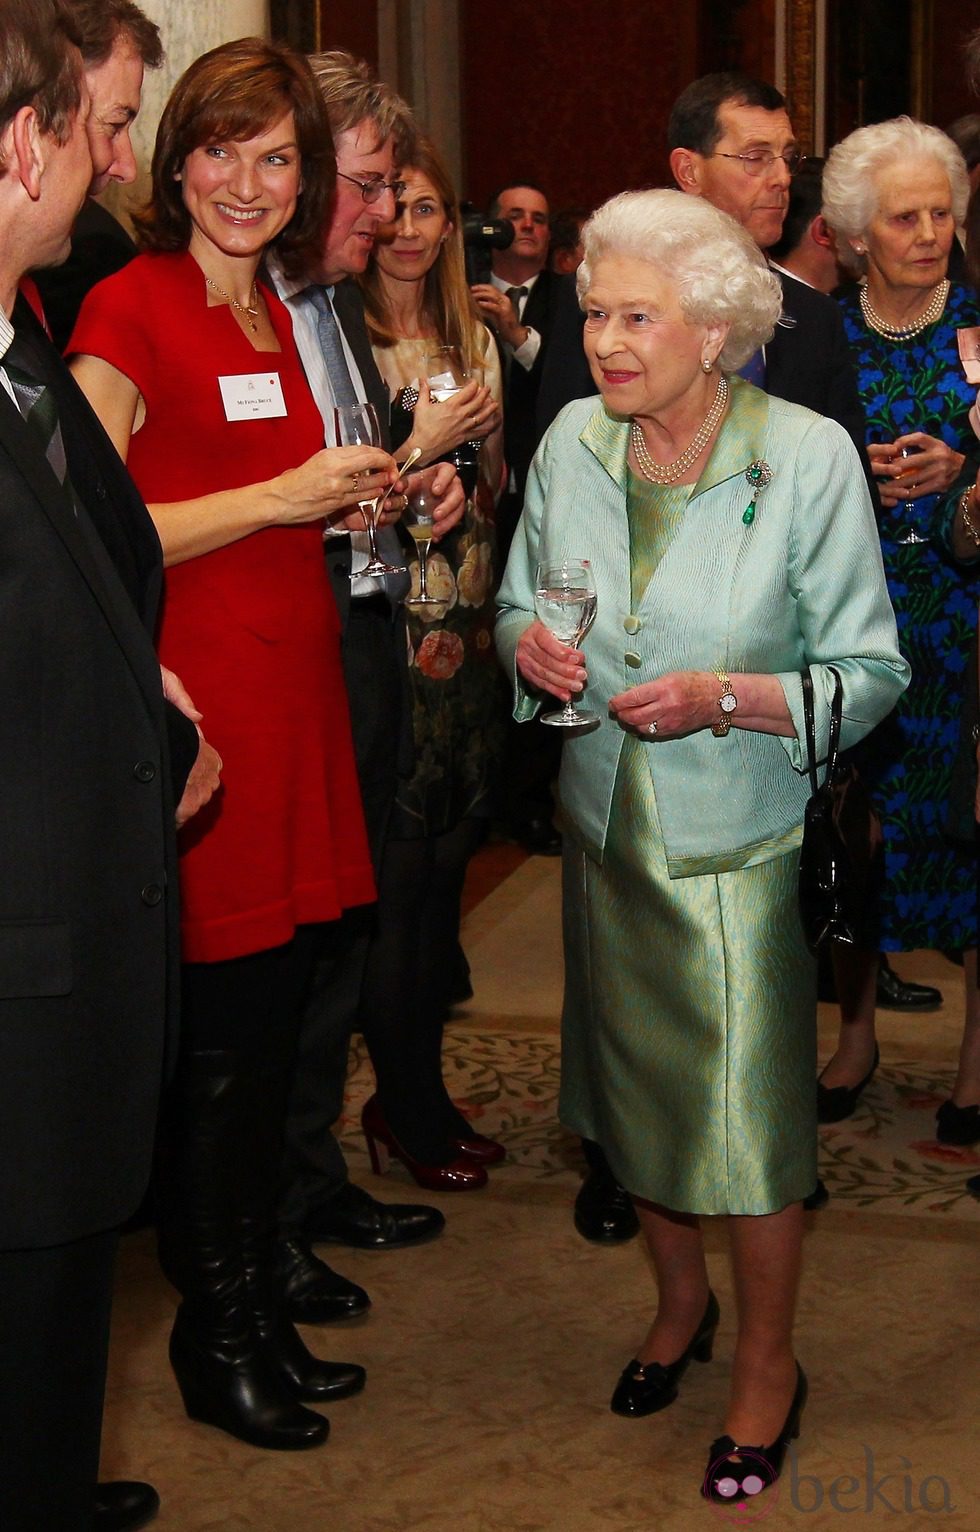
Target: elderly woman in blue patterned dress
x,y
894,193
732,542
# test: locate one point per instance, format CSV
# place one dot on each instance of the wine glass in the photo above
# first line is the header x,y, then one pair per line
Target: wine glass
x,y
357,426
565,602
910,535
446,376
419,509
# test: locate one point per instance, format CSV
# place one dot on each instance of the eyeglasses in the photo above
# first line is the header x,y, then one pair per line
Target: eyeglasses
x,y
757,161
374,189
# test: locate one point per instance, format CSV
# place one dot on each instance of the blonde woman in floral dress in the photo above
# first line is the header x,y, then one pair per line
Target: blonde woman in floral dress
x,y
417,299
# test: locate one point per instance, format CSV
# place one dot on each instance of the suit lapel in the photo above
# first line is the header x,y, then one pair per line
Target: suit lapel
x,y
349,308
83,546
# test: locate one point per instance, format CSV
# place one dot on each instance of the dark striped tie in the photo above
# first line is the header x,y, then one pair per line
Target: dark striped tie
x,y
37,404
328,334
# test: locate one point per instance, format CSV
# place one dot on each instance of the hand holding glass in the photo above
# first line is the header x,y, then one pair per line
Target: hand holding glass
x,y
357,426
565,603
419,511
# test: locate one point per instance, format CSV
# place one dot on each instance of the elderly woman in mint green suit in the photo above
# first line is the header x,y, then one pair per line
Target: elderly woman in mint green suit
x,y
732,542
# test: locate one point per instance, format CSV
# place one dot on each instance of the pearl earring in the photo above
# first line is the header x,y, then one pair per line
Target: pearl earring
x,y
706,365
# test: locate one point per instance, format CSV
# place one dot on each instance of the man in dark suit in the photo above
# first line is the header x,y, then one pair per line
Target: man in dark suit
x,y
520,303
88,930
372,131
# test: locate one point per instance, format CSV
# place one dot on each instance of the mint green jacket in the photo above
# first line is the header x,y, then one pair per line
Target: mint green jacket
x,y
800,582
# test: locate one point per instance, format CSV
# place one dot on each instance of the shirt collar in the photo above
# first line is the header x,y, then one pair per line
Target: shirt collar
x,y
289,287
740,441
6,335
504,287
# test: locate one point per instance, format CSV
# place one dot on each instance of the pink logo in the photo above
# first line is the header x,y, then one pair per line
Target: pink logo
x,y
747,1500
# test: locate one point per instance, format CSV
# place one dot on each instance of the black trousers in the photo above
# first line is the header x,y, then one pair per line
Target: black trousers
x,y
314,1168
54,1345
411,965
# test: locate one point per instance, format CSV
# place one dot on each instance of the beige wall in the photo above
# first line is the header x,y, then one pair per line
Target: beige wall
x,y
189,28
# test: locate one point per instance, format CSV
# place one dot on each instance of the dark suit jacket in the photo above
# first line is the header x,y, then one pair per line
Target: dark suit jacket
x,y
521,434
349,308
99,247
88,933
807,362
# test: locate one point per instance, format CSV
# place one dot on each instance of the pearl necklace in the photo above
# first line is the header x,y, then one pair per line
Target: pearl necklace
x,y
250,310
669,473
904,332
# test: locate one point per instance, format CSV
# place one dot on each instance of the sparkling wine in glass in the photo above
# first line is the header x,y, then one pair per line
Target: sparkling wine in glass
x,y
419,509
910,535
565,602
357,426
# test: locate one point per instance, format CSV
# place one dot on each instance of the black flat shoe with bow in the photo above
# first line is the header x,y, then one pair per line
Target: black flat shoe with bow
x,y
835,1103
733,1470
645,1388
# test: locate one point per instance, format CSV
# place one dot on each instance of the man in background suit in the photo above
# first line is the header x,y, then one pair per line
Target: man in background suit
x,y
519,303
88,928
372,131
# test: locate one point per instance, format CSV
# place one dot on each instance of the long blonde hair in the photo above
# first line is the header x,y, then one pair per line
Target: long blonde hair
x,y
447,305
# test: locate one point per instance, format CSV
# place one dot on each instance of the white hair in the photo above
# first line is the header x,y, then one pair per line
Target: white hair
x,y
850,176
718,270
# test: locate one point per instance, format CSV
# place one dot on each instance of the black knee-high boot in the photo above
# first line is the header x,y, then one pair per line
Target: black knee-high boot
x,y
307,1376
222,1366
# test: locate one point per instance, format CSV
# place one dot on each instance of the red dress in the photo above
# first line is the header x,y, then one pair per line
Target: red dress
x,y
251,629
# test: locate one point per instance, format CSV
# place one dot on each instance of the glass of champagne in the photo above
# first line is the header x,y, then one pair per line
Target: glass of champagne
x,y
565,602
446,376
357,426
419,508
910,535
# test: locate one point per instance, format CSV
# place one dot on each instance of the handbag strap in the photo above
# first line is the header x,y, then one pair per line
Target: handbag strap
x,y
836,710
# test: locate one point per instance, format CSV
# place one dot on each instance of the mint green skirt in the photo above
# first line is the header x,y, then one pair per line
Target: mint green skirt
x,y
689,1020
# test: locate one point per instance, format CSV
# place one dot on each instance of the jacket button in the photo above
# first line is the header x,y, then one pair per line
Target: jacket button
x,y
144,771
151,893
632,625
633,660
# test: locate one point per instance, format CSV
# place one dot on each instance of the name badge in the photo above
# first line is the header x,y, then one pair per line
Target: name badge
x,y
252,396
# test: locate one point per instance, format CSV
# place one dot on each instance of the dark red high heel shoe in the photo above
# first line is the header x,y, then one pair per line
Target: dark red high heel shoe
x,y
460,1175
480,1149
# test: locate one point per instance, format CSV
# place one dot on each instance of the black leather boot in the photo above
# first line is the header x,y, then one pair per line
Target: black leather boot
x,y
305,1375
224,1373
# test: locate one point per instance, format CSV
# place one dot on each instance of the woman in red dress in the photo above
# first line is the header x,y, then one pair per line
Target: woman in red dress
x,y
189,361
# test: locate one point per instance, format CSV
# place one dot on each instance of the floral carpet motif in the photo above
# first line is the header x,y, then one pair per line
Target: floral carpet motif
x,y
883,1159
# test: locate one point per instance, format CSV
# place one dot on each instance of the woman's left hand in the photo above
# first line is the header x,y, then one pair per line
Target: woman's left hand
x,y
931,469
678,703
444,483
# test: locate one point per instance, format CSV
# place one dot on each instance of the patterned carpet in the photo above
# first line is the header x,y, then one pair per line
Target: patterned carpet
x,y
885,1159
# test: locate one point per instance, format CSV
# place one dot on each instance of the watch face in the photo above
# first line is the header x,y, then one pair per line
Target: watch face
x,y
728,702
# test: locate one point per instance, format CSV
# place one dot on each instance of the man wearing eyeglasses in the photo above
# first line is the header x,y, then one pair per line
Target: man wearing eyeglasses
x,y
731,142
372,130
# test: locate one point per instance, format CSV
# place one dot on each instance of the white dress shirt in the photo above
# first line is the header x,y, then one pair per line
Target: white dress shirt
x,y
526,353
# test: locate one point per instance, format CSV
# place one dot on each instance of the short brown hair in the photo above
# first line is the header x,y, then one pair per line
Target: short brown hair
x,y
351,94
100,22
39,64
236,92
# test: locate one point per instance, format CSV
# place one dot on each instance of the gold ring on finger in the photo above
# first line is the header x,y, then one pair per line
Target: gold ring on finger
x,y
355,481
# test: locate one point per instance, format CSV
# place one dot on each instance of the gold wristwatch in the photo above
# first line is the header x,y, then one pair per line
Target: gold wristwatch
x,y
727,702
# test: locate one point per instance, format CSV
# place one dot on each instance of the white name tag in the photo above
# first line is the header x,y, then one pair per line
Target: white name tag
x,y
252,396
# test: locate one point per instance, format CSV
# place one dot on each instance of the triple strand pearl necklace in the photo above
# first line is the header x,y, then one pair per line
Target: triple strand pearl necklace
x,y
250,310
904,332
669,473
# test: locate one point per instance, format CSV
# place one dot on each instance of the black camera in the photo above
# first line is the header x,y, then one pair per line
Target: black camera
x,y
480,236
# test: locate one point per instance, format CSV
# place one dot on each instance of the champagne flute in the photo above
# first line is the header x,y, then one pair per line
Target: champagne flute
x,y
910,535
565,602
419,510
446,376
357,426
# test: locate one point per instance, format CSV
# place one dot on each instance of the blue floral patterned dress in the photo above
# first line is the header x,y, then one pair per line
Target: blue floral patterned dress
x,y
929,898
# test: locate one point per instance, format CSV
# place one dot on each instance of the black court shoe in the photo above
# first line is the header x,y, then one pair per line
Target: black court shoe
x,y
733,1470
835,1103
645,1388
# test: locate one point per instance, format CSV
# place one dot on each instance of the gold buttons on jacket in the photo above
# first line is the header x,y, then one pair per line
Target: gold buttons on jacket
x,y
632,624
632,659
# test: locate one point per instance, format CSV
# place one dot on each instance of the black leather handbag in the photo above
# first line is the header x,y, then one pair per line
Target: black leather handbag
x,y
841,854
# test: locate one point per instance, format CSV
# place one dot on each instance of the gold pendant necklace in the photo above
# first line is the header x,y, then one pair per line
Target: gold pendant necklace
x,y
250,310
888,331
669,473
